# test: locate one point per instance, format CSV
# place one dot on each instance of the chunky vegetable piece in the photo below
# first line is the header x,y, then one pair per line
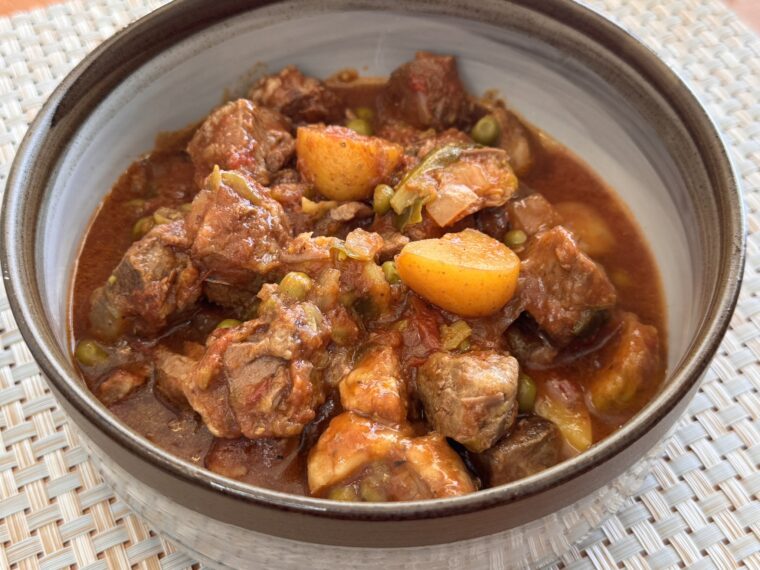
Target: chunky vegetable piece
x,y
629,366
562,403
376,386
342,164
452,182
467,273
593,234
357,459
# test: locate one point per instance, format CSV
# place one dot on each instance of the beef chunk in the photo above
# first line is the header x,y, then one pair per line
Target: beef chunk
x,y
154,283
529,345
269,373
119,384
242,136
561,287
425,93
258,375
532,214
241,302
631,361
376,387
303,99
236,228
533,445
357,459
172,373
161,177
175,381
269,396
470,397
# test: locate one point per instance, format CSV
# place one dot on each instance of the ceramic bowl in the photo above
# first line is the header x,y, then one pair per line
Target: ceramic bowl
x,y
580,78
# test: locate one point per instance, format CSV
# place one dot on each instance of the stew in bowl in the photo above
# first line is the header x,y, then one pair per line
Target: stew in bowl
x,y
368,289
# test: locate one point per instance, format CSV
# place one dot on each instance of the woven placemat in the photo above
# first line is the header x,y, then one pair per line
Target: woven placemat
x,y
700,506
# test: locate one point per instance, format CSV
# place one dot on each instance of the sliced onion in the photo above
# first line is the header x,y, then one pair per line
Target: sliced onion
x,y
454,201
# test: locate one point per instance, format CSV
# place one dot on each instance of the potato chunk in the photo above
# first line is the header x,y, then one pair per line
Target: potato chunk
x,y
592,232
344,165
561,402
631,363
357,459
467,273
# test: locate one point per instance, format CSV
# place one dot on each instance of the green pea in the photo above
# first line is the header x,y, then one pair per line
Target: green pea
x,y
142,227
526,393
361,126
515,238
390,272
365,113
296,285
381,201
90,353
228,324
486,131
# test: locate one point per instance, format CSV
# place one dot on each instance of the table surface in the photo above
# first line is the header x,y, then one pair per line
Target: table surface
x,y
699,507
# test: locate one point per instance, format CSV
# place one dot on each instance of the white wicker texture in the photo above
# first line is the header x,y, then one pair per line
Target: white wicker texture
x,y
700,506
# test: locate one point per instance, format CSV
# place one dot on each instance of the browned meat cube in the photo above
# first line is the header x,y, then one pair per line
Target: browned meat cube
x,y
269,396
256,379
425,93
357,459
173,371
272,392
561,287
175,381
376,387
236,228
303,99
532,214
120,384
155,282
533,445
470,397
631,362
242,136
241,302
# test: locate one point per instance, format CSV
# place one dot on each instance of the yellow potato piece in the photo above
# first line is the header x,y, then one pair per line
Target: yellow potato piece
x,y
467,273
591,230
574,422
342,164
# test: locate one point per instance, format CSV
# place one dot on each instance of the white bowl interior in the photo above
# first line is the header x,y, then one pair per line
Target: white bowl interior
x,y
560,95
